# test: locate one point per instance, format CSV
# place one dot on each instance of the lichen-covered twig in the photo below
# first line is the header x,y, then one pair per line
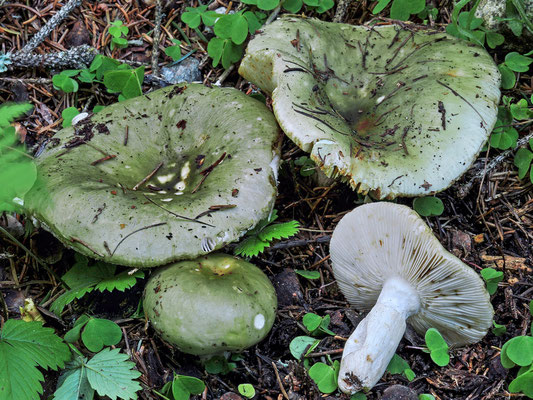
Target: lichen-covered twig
x,y
77,57
157,34
50,26
464,189
340,11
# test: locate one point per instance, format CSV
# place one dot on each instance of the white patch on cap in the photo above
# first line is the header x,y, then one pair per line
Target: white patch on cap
x,y
380,99
165,178
259,321
79,117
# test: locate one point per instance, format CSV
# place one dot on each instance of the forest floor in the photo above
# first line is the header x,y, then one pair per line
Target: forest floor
x,y
492,226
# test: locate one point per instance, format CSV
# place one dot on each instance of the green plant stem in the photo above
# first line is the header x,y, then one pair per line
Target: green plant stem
x,y
39,261
183,35
201,35
520,8
471,14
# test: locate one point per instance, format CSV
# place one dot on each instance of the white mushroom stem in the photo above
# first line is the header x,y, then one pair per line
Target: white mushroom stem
x,y
370,347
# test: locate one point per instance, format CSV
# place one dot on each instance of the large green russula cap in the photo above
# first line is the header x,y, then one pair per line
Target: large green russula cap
x,y
166,176
213,304
392,110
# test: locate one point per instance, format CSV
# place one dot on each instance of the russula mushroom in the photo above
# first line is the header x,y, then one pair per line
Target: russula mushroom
x,y
385,258
166,176
395,111
212,304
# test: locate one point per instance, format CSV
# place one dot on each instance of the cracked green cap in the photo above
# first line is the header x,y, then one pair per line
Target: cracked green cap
x,y
212,304
391,110
166,176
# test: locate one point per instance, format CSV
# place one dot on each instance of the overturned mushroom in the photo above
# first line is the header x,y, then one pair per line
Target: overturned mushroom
x,y
385,258
166,176
393,110
212,304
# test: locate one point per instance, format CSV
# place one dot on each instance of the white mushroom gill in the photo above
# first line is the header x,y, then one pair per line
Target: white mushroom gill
x,y
371,346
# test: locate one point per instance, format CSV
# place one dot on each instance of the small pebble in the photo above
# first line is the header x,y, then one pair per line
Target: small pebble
x,y
399,392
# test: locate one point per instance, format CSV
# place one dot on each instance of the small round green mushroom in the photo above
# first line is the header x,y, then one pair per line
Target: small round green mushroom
x,y
392,110
212,304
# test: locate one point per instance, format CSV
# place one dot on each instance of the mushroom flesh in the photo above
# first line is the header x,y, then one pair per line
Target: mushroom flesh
x,y
385,258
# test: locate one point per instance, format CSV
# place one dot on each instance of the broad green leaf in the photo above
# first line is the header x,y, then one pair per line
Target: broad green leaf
x,y
73,383
523,384
302,345
438,347
192,384
100,332
267,5
293,6
65,83
428,206
224,26
358,396
425,396
111,375
17,170
173,52
246,390
209,18
311,3
508,76
380,6
498,329
23,347
520,110
74,334
215,47
127,82
311,321
402,9
325,5
68,114
397,365
324,376
239,29
519,350
494,39
308,274
253,22
517,62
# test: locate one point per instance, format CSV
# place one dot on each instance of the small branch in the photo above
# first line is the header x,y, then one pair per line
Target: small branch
x,y
138,230
148,177
50,26
463,190
156,35
205,173
77,57
273,15
177,215
340,12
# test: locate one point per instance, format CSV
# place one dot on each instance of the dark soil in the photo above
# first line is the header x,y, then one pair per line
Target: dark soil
x,y
490,227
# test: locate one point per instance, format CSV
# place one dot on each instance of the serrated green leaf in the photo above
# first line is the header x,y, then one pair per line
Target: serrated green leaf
x,y
10,111
83,279
73,383
99,332
23,347
251,246
279,231
111,375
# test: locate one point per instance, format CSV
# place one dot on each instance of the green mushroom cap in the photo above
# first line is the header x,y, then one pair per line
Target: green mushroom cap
x,y
396,111
213,304
166,176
